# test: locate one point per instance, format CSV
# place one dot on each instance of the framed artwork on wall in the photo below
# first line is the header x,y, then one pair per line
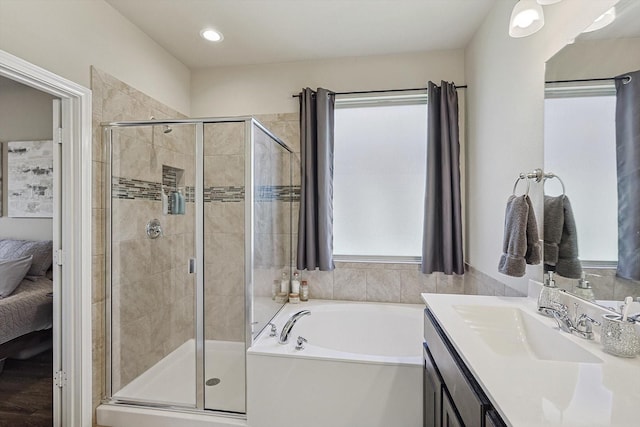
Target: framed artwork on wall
x,y
30,179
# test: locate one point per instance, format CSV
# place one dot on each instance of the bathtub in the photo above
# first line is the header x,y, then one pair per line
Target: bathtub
x,y
362,366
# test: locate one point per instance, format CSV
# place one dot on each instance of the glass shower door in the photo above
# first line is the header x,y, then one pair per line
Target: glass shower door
x,y
151,285
224,261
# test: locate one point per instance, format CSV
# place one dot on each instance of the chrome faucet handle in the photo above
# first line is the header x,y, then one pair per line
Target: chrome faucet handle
x,y
274,331
555,309
547,311
563,321
560,316
300,343
585,318
559,307
584,326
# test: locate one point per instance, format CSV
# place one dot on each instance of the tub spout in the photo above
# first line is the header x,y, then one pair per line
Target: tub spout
x,y
286,329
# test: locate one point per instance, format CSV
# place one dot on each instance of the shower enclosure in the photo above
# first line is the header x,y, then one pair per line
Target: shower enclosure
x,y
198,228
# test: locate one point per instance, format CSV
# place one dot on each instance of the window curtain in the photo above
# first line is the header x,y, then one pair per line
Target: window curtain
x,y
442,231
315,224
628,169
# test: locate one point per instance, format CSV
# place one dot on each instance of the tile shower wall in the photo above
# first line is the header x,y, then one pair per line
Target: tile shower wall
x,y
224,148
154,319
151,291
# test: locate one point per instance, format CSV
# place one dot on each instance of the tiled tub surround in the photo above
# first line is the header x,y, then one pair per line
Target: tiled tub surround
x,y
389,282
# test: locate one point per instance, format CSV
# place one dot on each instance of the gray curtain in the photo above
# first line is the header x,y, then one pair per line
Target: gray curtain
x,y
628,168
442,231
315,224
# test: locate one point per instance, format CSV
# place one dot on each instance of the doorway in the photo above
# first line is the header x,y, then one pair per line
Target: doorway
x,y
29,191
71,237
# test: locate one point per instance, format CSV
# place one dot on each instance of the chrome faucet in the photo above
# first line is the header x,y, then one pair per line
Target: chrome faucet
x,y
581,326
286,329
584,326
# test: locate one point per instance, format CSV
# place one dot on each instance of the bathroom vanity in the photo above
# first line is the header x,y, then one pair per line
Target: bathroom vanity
x,y
452,396
494,361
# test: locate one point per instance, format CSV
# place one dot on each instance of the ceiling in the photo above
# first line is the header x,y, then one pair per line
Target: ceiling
x,y
271,31
625,26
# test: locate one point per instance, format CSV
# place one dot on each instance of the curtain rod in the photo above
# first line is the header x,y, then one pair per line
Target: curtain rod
x,y
379,91
599,79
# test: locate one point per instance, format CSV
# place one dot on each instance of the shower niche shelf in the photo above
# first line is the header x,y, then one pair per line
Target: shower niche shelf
x,y
173,192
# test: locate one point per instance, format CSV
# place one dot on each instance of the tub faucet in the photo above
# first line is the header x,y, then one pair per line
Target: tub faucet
x,y
286,329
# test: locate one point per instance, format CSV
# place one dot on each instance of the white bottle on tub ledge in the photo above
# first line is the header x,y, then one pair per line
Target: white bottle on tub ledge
x,y
284,283
295,283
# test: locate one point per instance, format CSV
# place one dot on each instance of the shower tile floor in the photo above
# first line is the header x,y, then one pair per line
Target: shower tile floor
x,y
172,380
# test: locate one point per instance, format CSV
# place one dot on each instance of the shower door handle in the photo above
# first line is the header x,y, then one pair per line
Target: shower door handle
x,y
192,265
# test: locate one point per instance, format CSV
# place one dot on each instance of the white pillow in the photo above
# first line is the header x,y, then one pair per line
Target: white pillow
x,y
12,271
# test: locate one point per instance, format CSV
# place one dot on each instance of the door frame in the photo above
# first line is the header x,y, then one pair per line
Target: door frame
x,y
74,306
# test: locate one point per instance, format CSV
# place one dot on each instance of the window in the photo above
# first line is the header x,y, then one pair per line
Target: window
x,y
580,148
379,176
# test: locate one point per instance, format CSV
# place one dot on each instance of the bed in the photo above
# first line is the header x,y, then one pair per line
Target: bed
x,y
26,312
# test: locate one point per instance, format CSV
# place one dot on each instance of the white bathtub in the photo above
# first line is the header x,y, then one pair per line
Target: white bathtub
x,y
362,366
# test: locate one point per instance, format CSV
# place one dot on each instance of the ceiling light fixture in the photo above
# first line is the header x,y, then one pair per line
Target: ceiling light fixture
x,y
603,20
526,18
211,35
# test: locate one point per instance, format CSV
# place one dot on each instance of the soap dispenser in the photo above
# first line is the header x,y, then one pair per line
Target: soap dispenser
x,y
549,293
584,289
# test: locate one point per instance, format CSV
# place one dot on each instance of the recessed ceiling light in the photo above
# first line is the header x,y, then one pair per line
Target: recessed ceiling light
x,y
211,35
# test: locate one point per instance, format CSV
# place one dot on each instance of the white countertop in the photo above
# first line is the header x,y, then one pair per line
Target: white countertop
x,y
529,392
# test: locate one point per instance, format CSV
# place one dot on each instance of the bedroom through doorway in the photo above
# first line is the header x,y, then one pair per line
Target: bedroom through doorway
x,y
30,277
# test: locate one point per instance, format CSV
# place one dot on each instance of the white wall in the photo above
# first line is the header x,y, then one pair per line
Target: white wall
x,y
505,104
26,114
264,89
66,37
595,58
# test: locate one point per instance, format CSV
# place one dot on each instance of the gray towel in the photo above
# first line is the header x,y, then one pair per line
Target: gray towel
x,y
519,228
560,238
533,255
553,224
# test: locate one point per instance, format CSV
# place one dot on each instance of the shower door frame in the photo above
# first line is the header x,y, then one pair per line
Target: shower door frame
x,y
249,137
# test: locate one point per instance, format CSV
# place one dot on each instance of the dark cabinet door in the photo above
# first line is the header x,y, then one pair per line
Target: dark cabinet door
x,y
450,417
432,387
492,419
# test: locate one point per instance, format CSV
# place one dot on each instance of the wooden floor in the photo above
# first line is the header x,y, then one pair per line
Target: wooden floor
x,y
26,396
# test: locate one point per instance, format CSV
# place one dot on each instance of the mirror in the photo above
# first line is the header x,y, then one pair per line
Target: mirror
x,y
580,148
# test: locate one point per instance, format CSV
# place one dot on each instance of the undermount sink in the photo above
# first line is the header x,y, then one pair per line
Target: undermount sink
x,y
509,331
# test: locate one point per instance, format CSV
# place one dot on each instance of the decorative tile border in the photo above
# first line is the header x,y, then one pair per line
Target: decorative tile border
x,y
127,188
276,192
224,194
135,189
